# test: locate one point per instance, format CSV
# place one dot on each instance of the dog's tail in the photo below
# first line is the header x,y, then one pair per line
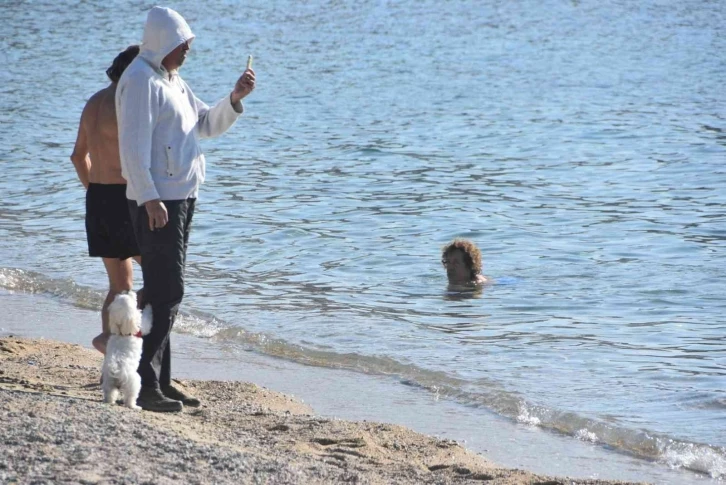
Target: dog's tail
x,y
147,320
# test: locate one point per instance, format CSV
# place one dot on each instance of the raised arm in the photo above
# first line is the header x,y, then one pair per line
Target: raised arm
x,y
80,158
219,118
216,120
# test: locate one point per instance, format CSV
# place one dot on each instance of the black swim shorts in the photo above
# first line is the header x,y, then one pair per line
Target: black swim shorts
x,y
108,223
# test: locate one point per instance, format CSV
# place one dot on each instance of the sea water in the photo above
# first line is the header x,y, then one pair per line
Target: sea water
x,y
581,145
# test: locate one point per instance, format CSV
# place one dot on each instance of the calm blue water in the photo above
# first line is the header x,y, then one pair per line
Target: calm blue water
x,y
582,145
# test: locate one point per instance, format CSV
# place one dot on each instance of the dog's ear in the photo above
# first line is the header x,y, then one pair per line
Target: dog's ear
x,y
130,323
114,327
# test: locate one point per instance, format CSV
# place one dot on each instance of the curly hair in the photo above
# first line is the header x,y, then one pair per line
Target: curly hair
x,y
121,62
472,254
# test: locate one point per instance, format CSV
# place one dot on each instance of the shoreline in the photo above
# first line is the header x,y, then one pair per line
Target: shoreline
x,y
59,429
338,394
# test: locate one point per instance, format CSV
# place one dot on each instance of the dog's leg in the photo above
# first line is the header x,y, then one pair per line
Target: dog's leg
x,y
132,388
110,392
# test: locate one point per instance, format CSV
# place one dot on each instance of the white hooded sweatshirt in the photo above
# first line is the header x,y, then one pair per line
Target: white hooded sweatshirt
x,y
160,121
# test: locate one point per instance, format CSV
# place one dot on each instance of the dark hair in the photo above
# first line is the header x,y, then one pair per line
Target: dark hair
x,y
472,255
121,62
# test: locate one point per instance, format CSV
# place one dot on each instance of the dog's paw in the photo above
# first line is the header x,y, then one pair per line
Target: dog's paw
x,y
134,407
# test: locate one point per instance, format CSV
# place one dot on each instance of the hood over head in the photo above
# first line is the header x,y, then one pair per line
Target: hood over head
x,y
164,31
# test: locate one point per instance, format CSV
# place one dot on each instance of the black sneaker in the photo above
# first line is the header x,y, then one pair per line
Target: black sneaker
x,y
177,394
151,399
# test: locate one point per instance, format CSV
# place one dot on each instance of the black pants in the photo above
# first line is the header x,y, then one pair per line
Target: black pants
x,y
163,258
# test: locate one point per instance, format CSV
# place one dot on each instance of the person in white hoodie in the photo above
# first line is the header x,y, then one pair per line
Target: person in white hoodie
x,y
160,124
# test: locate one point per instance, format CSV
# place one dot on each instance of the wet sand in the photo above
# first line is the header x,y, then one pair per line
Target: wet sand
x,y
56,429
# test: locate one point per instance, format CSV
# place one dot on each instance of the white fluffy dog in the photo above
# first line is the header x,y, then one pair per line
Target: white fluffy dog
x,y
127,325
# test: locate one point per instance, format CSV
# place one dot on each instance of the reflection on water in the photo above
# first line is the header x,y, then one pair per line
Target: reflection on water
x,y
463,292
585,161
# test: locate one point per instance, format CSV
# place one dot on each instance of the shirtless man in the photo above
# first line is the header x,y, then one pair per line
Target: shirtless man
x,y
108,224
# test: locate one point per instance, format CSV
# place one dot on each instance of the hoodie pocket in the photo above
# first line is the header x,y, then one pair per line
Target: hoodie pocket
x,y
170,164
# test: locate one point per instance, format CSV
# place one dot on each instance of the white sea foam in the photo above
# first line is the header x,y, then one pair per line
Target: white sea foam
x,y
695,457
199,327
525,416
585,435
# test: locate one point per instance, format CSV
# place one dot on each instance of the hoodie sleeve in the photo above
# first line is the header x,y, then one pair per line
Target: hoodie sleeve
x,y
137,109
216,120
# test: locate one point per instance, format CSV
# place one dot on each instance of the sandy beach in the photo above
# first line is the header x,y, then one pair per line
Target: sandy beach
x,y
57,430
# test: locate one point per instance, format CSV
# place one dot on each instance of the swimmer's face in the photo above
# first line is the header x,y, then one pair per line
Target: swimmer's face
x,y
457,270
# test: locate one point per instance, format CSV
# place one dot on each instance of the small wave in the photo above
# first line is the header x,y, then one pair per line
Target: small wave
x,y
696,457
30,282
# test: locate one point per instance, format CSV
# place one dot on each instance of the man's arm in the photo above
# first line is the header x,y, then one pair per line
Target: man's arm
x,y
216,120
219,118
79,157
136,113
